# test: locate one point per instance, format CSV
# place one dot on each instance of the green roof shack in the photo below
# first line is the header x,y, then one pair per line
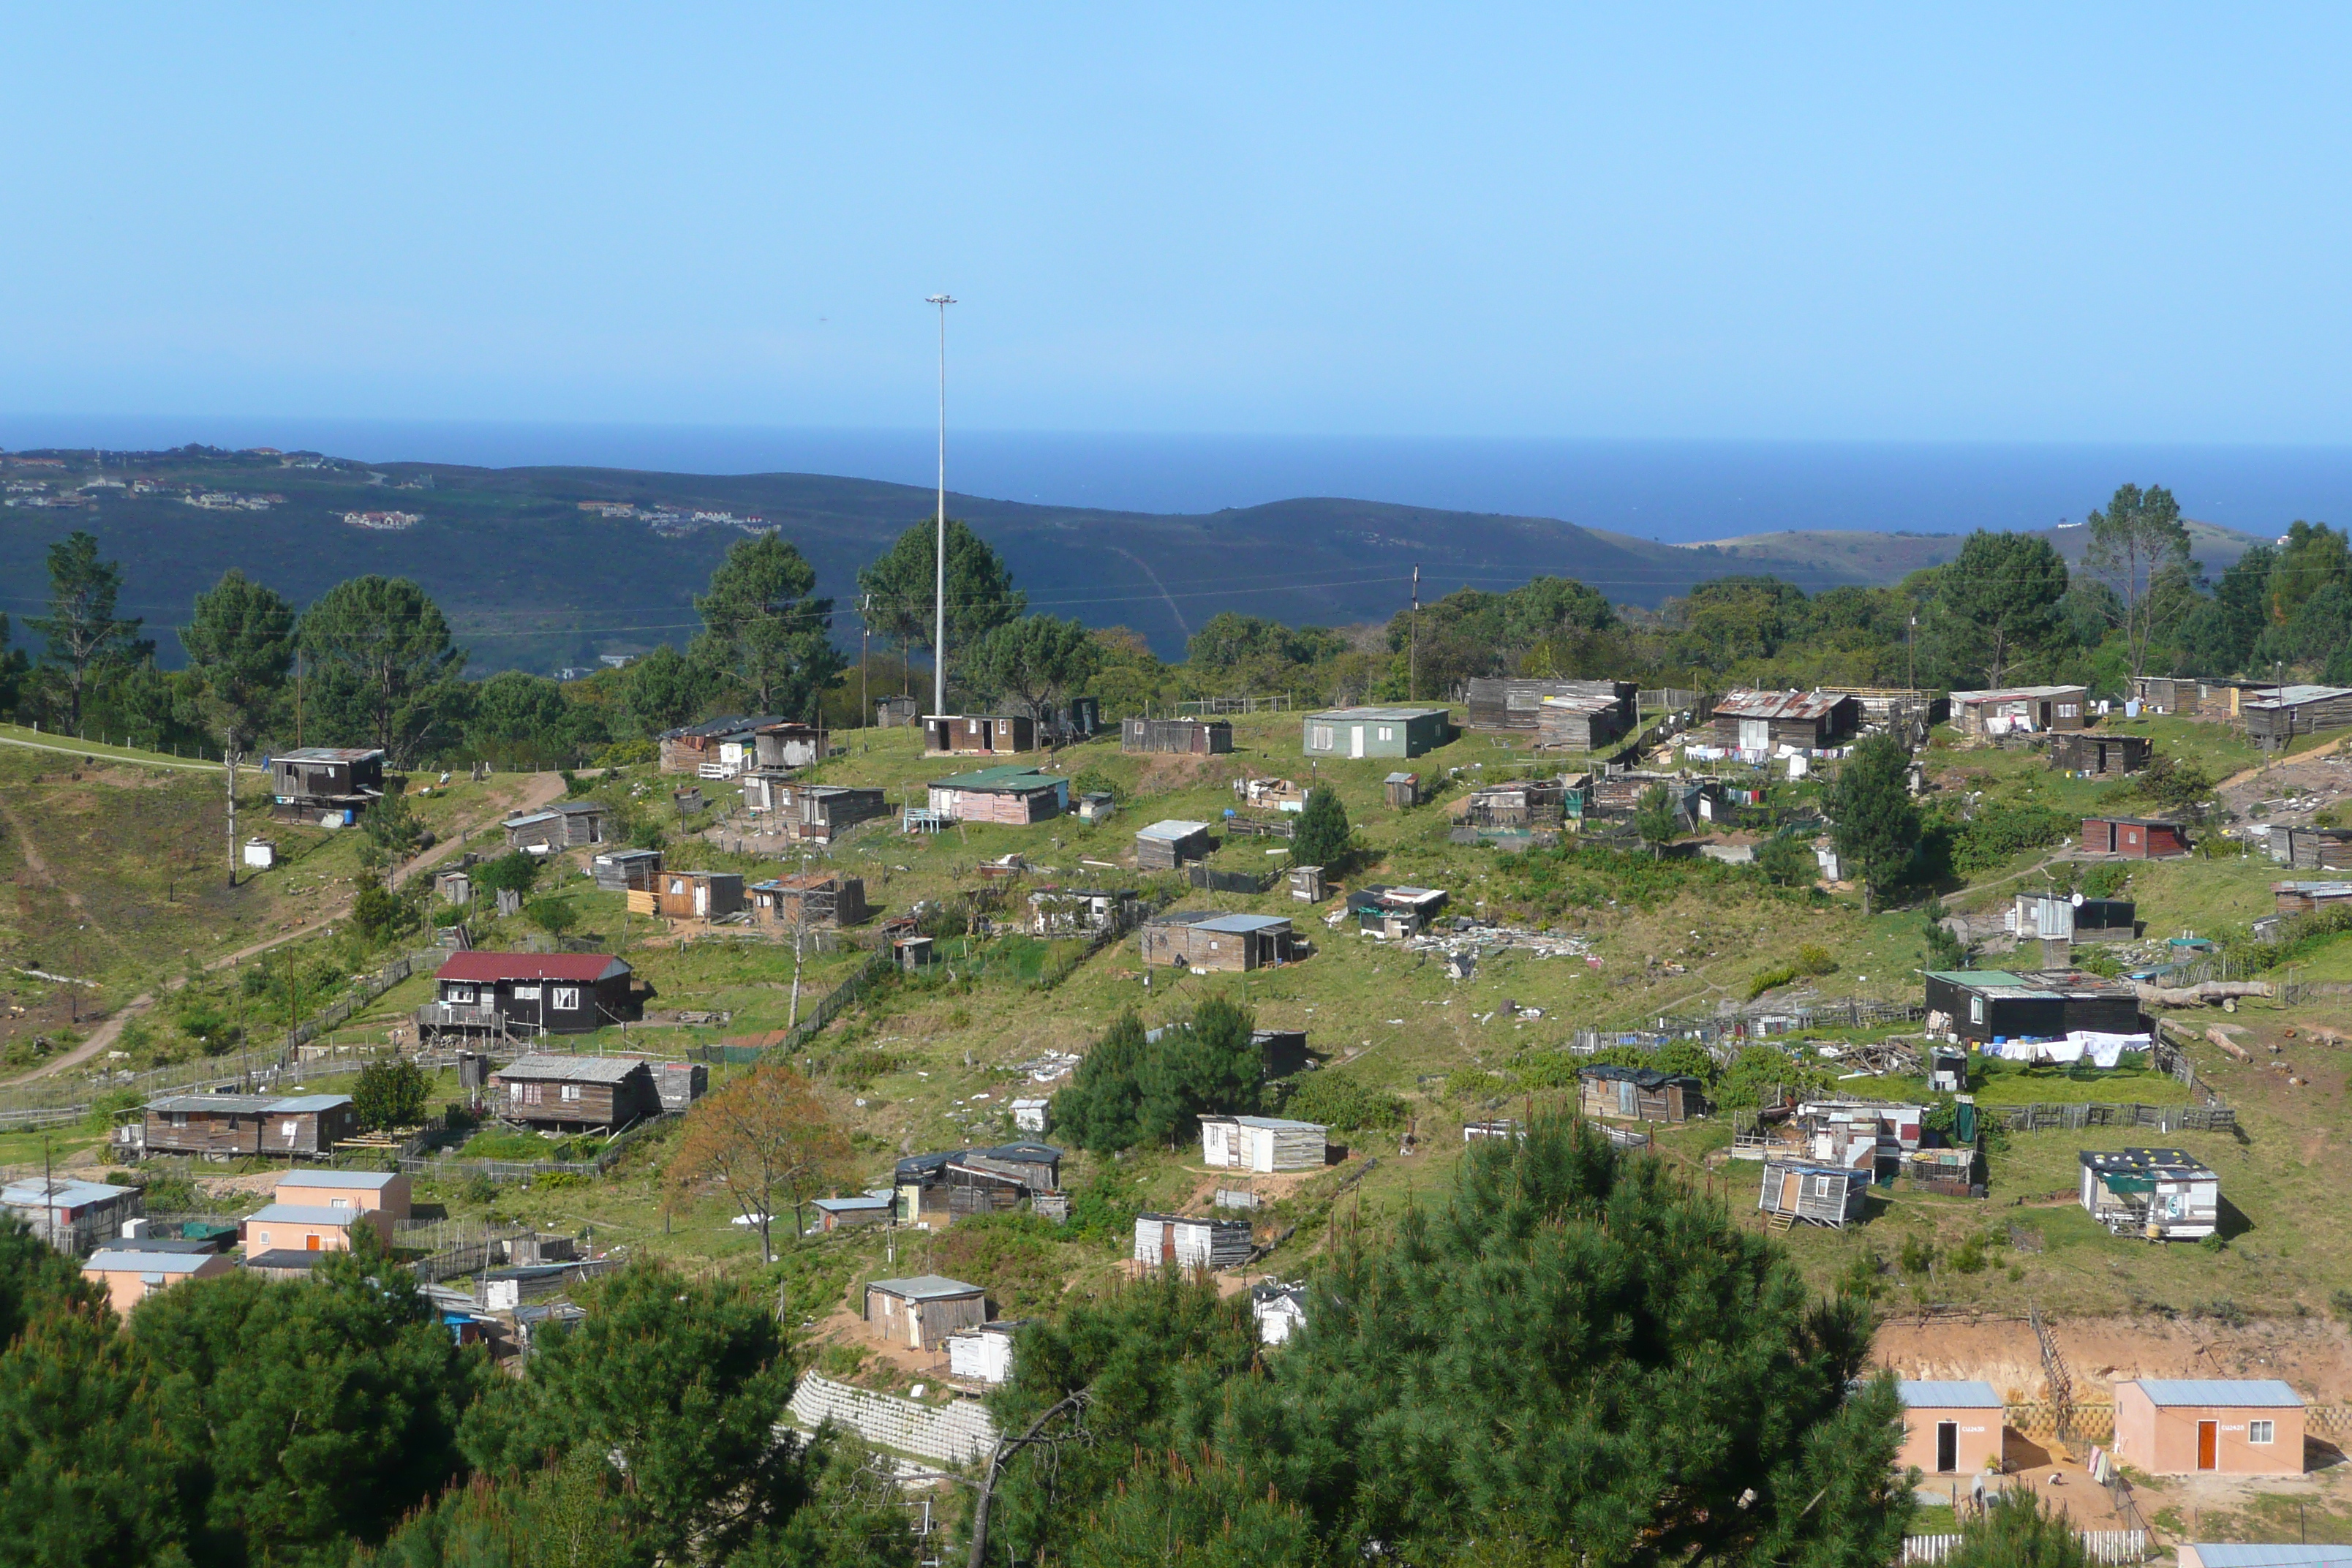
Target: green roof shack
x,y
1377,732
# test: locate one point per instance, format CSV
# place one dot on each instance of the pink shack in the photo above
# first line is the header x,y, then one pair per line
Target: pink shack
x,y
1949,1428
2182,1426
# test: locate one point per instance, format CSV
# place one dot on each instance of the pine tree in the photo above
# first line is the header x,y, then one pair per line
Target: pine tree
x,y
1320,838
1098,1112
1875,820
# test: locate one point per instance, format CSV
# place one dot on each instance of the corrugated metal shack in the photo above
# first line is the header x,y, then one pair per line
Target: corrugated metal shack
x,y
1638,1094
574,1091
921,1312
1187,737
1264,1144
2134,838
1796,1193
1519,704
1989,1004
826,899
814,814
2019,710
1767,720
1204,939
1529,803
2302,898
2163,1195
1181,1241
787,745
697,895
2101,756
1165,846
2276,714
1080,912
564,826
1580,723
626,870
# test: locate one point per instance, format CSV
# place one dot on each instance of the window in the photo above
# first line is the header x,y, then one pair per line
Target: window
x,y
1212,947
567,999
287,1129
2261,1431
179,1118
526,993
514,1091
461,996
570,1091
1821,1186
1976,1010
2070,711
1387,733
265,1239
338,1203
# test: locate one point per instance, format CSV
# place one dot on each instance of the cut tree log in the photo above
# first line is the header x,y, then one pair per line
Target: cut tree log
x,y
2209,991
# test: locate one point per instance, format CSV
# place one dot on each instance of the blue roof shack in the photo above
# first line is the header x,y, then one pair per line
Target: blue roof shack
x,y
1205,939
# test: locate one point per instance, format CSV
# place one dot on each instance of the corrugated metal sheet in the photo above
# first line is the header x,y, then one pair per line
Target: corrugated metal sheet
x,y
2263,1393
1964,1395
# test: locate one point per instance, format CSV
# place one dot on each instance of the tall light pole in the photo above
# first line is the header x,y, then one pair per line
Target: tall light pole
x,y
939,556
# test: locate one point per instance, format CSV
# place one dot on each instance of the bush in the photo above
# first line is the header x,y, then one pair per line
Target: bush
x,y
1917,1256
390,1094
1787,861
1756,1070
382,914
1339,1099
1764,980
2001,828
1815,959
1321,838
513,871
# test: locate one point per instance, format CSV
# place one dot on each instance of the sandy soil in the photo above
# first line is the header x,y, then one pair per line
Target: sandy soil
x,y
2312,1353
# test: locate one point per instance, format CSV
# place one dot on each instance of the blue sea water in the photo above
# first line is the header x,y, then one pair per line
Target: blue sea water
x,y
1673,490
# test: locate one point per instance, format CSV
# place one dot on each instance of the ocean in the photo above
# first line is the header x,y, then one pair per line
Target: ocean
x,y
1676,491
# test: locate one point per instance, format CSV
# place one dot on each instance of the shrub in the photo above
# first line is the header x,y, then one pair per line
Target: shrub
x,y
1764,980
513,871
1815,959
1322,836
1339,1099
1787,861
1917,1257
1756,1070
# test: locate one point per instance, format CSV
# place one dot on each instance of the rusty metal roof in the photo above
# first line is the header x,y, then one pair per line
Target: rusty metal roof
x,y
1778,704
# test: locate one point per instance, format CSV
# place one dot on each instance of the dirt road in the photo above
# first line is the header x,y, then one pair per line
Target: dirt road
x,y
542,789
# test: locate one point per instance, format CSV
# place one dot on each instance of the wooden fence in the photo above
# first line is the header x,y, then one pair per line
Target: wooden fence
x,y
446,1168
2075,1115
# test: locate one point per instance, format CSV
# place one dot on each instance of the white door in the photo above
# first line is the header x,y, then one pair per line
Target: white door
x,y
702,898
1355,739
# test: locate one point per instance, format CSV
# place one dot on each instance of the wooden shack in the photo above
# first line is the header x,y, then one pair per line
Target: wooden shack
x,y
1768,720
811,814
2161,1195
848,1213
1401,791
228,1126
1012,796
894,712
567,825
326,786
978,735
573,1093
1600,709
1527,803
2276,714
691,748
507,995
1166,846
921,1312
2165,694
822,899
2312,848
1184,737
1264,1144
2020,711
1184,1241
1308,886
1638,1094
73,1216
2093,755
697,895
2134,838
2303,898
1204,939
1812,1194
786,744
1080,912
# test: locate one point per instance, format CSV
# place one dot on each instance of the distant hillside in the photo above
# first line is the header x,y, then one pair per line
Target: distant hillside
x,y
1855,557
530,580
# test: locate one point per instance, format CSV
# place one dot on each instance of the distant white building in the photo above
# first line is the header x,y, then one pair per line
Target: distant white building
x,y
983,1354
1280,1311
1031,1115
1261,1144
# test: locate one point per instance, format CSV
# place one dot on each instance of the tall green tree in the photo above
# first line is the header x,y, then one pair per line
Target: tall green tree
x,y
515,714
382,667
1657,819
1098,1110
1996,606
673,1387
2218,636
1321,835
1205,1066
14,667
2133,543
2313,556
765,631
1874,819
1036,662
1574,1356
664,689
240,645
899,590
308,1416
391,1094
86,640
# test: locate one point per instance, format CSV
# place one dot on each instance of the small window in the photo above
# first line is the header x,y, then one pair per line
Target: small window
x,y
1387,733
514,1091
287,1129
526,993
567,999
338,1203
1976,1010
2261,1431
462,996
265,1239
1821,1186
570,1091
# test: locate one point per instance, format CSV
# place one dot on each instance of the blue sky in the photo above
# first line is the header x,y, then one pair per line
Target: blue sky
x,y
1990,223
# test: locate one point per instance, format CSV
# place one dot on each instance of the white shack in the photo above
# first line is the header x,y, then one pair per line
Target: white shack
x,y
1261,1144
983,1354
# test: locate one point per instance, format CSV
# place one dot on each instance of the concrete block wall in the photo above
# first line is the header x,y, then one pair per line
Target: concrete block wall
x,y
953,1433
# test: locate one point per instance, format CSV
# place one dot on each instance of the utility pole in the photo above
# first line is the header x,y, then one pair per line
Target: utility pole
x,y
939,556
1412,645
1910,662
864,653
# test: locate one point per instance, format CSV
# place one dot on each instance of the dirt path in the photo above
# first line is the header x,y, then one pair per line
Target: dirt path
x,y
2259,769
104,756
33,858
543,789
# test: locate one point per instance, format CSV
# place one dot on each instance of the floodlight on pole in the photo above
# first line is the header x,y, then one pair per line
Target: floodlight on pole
x,y
940,553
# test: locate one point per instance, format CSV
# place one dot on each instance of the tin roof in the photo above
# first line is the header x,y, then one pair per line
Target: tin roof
x,y
1010,777
308,1104
487,968
374,1180
61,1194
570,1070
2265,1393
1640,1077
2269,1555
303,1213
2293,696
217,1104
2174,1162
286,1258
2016,693
1241,925
849,1205
926,1288
1270,1123
328,755
1394,715
1020,1154
1173,830
1968,1395
115,1261
1778,704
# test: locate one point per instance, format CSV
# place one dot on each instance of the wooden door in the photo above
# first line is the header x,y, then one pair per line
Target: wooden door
x,y
1947,1446
1167,1245
1793,1187
311,1243
2208,1445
